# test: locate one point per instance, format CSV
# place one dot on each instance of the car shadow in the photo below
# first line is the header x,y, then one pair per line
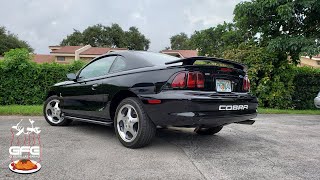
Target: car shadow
x,y
185,137
181,137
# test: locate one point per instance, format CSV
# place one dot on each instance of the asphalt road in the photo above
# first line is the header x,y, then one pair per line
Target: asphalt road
x,y
275,147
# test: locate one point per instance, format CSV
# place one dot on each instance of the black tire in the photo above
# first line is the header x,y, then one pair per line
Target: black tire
x,y
64,122
146,128
208,131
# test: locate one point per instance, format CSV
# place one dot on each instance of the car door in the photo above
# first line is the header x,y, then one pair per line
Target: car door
x,y
86,97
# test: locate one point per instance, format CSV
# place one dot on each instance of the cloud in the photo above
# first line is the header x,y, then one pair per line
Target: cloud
x,y
45,22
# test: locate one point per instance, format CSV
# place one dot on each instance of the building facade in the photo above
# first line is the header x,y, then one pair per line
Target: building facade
x,y
311,62
68,54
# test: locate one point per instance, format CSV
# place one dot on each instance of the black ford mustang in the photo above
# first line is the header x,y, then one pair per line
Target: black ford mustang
x,y
137,91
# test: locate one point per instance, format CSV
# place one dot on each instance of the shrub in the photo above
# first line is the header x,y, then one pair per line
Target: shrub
x,y
277,84
307,86
25,82
270,82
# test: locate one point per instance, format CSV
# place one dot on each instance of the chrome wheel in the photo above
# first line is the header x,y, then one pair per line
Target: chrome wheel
x,y
127,123
53,112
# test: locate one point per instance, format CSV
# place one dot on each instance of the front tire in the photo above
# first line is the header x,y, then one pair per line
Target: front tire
x,y
132,125
52,112
208,131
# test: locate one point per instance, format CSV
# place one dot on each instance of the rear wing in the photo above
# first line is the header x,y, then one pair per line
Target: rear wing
x,y
191,60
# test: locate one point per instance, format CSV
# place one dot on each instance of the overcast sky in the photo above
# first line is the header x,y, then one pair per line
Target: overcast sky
x,y
46,22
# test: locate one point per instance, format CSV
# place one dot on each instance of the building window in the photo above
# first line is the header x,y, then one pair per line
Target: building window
x,y
318,62
60,58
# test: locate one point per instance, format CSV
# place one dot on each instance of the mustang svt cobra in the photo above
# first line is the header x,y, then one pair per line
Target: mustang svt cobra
x,y
136,91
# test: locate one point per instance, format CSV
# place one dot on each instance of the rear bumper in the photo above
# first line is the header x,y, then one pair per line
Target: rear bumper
x,y
190,108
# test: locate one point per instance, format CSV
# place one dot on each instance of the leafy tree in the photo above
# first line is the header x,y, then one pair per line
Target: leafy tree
x,y
11,41
180,41
74,39
116,35
215,40
287,27
96,35
282,30
135,40
108,36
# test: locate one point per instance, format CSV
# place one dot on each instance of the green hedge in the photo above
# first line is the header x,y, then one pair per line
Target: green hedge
x,y
25,82
306,86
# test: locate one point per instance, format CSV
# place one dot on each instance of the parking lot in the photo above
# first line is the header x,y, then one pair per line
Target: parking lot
x,y
275,147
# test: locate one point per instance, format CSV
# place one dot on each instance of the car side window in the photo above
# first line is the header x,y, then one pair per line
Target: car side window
x,y
119,64
97,68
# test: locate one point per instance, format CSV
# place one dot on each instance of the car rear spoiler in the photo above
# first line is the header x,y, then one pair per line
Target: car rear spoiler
x,y
191,60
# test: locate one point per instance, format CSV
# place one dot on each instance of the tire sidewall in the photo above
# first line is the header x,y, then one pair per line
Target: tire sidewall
x,y
142,120
63,122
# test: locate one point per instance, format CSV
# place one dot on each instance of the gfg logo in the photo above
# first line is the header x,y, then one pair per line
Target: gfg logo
x,y
25,148
18,150
233,107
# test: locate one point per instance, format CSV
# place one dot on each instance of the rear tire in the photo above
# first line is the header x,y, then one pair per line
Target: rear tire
x,y
132,125
52,112
208,131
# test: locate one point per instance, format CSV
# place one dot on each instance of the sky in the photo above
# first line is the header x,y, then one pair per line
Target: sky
x,y
46,22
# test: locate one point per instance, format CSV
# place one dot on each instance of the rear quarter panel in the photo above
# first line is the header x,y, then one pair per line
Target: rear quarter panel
x,y
144,82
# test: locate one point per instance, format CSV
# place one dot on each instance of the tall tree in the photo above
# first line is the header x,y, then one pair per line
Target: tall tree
x,y
116,35
11,41
96,35
135,40
288,27
180,41
281,31
215,40
108,36
74,39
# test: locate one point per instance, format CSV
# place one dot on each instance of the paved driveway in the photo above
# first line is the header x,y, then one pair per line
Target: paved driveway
x,y
275,147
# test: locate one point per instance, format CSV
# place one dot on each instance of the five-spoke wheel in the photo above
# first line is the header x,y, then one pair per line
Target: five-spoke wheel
x,y
53,113
133,127
128,123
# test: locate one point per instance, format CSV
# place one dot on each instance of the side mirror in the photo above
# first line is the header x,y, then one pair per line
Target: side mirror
x,y
72,77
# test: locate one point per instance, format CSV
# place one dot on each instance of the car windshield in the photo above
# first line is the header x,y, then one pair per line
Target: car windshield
x,y
157,58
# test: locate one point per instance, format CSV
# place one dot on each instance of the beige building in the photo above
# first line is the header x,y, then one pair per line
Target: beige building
x,y
311,62
68,54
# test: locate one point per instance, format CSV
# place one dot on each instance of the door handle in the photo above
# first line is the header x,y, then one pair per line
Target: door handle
x,y
94,87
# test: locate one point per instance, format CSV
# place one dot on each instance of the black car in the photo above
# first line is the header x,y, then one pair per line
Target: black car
x,y
136,91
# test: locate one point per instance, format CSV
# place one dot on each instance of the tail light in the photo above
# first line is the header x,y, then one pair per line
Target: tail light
x,y
246,83
192,80
179,81
188,79
200,80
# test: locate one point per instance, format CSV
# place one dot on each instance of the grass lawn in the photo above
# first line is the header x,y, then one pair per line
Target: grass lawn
x,y
29,110
288,111
36,110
